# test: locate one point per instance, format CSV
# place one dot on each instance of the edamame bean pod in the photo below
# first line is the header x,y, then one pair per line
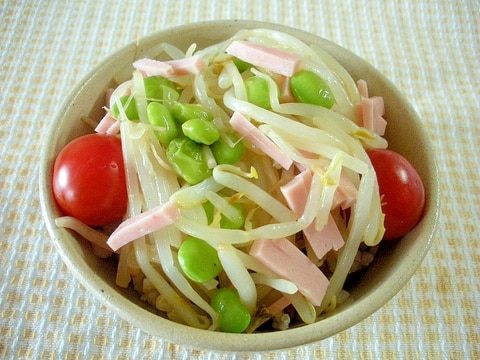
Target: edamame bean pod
x,y
183,112
198,260
188,160
233,316
158,88
224,153
307,87
201,131
159,115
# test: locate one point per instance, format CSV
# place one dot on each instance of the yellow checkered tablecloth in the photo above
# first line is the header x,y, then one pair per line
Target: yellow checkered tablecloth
x,y
429,49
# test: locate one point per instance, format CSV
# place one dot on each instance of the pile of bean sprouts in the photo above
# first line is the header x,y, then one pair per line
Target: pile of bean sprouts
x,y
332,135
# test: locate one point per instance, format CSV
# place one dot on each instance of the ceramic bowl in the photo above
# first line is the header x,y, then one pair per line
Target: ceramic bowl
x,y
389,272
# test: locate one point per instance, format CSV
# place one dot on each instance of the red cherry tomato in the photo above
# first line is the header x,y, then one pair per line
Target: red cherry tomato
x,y
89,179
402,191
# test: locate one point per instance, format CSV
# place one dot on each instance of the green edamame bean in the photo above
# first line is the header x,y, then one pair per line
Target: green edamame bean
x,y
307,87
183,112
233,316
159,115
226,223
241,65
201,131
209,211
158,88
226,154
235,223
258,92
131,110
198,260
187,160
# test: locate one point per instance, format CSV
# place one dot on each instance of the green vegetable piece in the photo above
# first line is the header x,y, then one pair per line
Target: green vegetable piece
x,y
198,260
159,115
131,110
158,88
233,316
183,112
258,92
225,223
241,65
307,87
187,160
226,154
209,211
235,223
201,131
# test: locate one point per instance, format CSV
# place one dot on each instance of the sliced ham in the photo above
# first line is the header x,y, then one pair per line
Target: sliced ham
x,y
322,240
296,191
370,110
171,68
143,224
278,305
189,65
326,239
108,125
250,133
151,67
114,129
286,260
362,88
346,193
275,60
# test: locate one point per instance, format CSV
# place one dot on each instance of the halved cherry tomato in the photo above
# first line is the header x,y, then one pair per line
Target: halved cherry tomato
x,y
89,179
402,191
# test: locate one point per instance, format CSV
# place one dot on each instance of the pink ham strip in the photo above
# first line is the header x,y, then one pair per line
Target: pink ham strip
x,y
286,260
275,60
241,124
151,67
114,129
170,68
278,305
370,110
362,88
143,224
296,191
346,193
108,125
322,241
189,65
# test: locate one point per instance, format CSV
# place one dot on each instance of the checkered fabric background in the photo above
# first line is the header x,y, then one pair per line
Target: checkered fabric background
x,y
429,49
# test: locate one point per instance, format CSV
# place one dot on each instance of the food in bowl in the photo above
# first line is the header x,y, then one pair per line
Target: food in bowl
x,y
273,192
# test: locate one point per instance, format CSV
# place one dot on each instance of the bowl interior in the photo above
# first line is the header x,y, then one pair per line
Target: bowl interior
x,y
390,271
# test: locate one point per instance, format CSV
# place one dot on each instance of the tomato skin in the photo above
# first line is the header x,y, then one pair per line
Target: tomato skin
x,y
401,189
89,179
